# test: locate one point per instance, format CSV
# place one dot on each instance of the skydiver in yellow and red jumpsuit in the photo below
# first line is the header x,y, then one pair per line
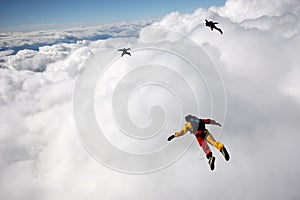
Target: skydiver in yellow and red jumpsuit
x,y
196,126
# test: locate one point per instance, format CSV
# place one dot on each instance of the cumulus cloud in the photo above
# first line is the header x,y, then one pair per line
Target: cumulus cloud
x,y
41,157
239,11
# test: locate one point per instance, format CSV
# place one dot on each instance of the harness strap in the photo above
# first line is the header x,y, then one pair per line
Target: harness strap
x,y
201,134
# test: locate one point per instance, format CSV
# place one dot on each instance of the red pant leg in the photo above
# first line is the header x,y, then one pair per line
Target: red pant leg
x,y
204,146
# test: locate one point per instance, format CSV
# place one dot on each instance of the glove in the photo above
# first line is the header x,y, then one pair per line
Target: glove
x,y
215,123
171,137
218,124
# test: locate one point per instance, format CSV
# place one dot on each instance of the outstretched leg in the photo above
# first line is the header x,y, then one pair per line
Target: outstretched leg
x,y
208,153
204,146
210,139
219,30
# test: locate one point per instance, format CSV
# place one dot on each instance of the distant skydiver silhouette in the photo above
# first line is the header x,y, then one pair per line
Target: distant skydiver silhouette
x,y
212,25
125,51
196,127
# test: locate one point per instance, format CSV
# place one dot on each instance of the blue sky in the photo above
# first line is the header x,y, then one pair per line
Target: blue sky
x,y
18,14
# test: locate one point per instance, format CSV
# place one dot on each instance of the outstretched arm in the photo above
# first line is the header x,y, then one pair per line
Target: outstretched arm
x,y
210,121
187,127
213,122
216,22
205,121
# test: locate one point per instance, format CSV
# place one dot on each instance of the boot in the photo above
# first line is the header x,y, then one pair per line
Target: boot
x,y
225,153
211,162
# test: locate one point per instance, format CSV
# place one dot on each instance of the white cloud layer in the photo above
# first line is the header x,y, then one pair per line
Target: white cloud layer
x,y
33,40
42,158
